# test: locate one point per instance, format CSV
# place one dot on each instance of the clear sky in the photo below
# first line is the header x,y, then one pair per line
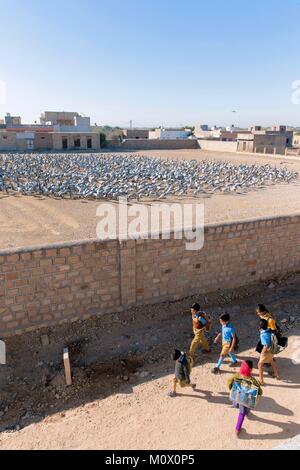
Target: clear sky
x,y
169,62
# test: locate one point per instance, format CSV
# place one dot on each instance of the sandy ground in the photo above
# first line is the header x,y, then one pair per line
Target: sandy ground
x,y
122,373
27,221
145,418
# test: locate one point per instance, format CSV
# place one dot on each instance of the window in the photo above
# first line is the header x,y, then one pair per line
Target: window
x,y
89,143
77,143
42,138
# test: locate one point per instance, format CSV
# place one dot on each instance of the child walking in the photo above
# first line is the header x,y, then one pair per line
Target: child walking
x,y
266,356
201,323
245,373
229,342
183,368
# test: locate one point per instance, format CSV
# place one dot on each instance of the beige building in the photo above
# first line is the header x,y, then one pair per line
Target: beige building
x,y
16,141
296,140
26,141
75,141
7,140
136,133
57,131
61,118
43,141
261,142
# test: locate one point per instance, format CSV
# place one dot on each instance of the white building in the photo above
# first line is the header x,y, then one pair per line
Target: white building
x,y
207,134
168,134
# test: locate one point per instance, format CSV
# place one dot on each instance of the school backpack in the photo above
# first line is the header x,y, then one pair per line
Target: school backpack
x,y
275,348
208,323
283,342
244,393
202,320
237,344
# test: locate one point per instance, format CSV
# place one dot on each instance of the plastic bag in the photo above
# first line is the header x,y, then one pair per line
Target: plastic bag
x,y
244,393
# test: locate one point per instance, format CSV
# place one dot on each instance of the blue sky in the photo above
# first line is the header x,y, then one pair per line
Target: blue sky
x,y
156,62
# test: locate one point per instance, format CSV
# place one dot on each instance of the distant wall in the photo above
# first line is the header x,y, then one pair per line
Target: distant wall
x,y
43,141
266,143
154,144
217,146
8,141
136,133
65,282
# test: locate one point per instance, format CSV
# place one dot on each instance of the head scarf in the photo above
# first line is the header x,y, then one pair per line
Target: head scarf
x,y
245,369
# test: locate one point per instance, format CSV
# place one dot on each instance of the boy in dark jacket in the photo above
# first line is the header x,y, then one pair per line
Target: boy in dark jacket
x,y
183,368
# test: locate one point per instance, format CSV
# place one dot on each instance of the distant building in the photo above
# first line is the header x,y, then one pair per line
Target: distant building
x,y
75,141
296,140
136,133
169,134
261,142
207,134
60,118
26,140
56,131
283,130
274,140
66,122
231,136
19,141
12,120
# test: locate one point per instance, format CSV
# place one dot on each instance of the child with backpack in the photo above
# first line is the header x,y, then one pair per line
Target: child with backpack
x,y
201,323
183,368
269,348
244,379
229,342
264,314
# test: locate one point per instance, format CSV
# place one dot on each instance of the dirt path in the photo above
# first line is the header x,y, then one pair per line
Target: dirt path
x,y
122,373
143,417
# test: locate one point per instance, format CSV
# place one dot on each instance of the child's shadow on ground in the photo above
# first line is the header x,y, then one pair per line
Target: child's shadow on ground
x,y
288,429
208,396
269,405
266,405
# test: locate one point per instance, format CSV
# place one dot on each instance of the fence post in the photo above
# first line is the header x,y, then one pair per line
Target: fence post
x,y
67,366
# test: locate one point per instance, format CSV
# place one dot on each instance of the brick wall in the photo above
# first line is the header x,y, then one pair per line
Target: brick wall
x,y
217,145
49,285
43,141
154,144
